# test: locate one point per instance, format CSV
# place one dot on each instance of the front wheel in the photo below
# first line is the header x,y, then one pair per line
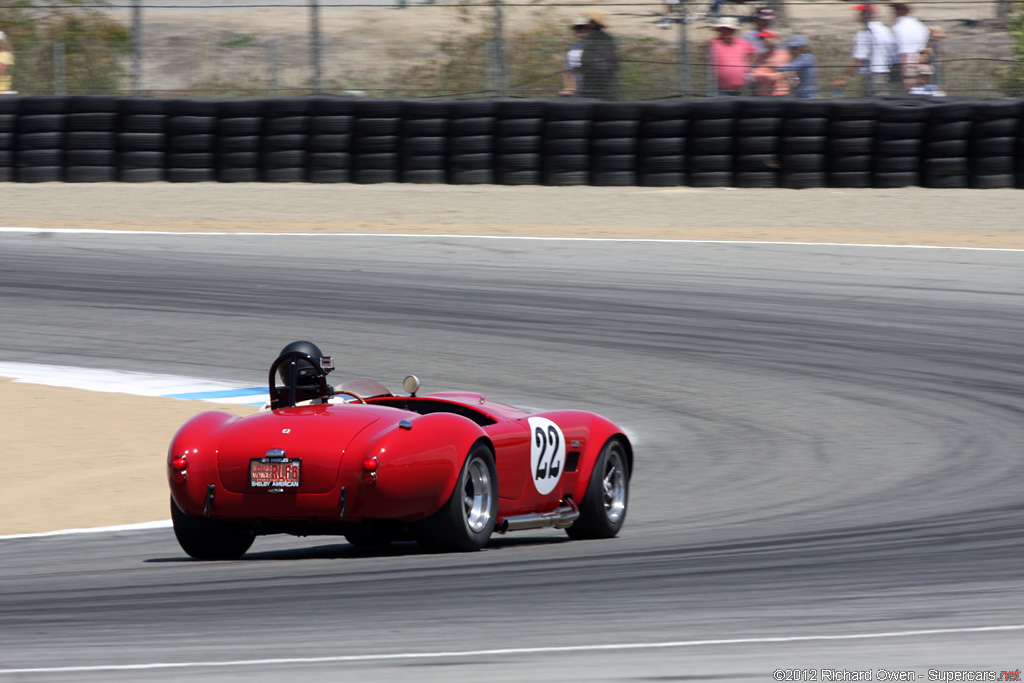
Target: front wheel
x,y
210,539
467,520
603,509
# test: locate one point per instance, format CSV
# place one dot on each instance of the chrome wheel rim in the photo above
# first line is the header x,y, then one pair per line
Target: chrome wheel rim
x,y
476,496
613,485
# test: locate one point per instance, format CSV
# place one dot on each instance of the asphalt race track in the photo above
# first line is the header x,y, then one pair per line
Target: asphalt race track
x,y
829,459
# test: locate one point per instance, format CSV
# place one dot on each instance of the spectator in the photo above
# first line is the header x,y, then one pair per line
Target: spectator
x,y
768,80
873,54
730,57
6,65
672,9
571,76
803,66
599,63
911,38
925,70
763,18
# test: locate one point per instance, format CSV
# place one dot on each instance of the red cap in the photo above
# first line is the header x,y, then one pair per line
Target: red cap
x,y
864,8
766,34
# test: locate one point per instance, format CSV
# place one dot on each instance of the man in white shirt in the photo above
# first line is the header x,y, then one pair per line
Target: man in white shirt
x,y
874,51
911,38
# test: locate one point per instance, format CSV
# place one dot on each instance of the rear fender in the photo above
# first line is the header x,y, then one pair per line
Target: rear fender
x,y
197,441
585,434
418,467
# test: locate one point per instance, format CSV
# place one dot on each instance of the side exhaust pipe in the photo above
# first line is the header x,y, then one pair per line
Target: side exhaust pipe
x,y
559,518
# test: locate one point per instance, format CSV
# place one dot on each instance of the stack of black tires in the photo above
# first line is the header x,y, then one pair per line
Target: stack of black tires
x,y
720,142
424,142
567,133
142,140
661,144
8,138
518,142
239,135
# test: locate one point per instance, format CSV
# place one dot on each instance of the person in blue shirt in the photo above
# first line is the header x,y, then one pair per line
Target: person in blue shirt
x,y
804,66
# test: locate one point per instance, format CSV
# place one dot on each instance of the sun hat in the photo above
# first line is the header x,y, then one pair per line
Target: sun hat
x,y
598,16
727,22
580,21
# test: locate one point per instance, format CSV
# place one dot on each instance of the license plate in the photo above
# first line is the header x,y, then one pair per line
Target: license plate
x,y
275,472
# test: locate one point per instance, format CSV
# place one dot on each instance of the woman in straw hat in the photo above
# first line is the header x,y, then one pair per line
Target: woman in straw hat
x,y
599,63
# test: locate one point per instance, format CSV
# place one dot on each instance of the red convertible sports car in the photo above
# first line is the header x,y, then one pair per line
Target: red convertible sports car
x,y
444,469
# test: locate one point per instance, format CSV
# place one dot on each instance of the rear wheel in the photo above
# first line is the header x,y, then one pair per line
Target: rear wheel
x,y
603,509
466,521
210,539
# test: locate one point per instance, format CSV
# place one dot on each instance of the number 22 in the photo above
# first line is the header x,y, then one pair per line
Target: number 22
x,y
543,440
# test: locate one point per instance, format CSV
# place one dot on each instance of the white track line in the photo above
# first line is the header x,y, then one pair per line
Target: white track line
x,y
509,651
142,526
537,238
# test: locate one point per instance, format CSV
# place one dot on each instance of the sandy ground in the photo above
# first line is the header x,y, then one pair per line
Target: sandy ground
x,y
93,480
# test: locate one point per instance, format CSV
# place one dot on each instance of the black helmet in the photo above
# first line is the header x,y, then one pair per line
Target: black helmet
x,y
306,375
302,369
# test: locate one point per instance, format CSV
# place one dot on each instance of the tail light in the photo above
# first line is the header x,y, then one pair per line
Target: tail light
x,y
179,465
370,466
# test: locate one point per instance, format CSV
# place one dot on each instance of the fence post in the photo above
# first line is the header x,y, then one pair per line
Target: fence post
x,y
272,66
498,72
60,74
137,47
684,49
314,43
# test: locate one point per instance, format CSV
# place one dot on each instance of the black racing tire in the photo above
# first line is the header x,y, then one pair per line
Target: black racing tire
x,y
613,178
849,179
90,174
709,178
239,174
756,179
141,175
435,177
471,176
210,539
152,124
466,521
40,174
661,179
891,179
329,175
331,125
142,142
562,178
802,180
603,508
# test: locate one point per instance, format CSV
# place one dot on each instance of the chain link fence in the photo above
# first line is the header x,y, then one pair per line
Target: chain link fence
x,y
440,49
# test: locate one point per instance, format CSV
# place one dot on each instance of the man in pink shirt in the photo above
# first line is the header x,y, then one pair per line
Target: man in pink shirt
x,y
730,57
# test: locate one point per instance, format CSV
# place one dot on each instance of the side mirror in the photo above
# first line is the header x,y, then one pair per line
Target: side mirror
x,y
411,384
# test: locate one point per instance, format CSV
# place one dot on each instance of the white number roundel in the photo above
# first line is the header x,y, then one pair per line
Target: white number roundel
x,y
547,453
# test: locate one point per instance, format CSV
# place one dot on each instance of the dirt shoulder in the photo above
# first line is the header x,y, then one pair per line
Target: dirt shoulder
x,y
968,218
102,462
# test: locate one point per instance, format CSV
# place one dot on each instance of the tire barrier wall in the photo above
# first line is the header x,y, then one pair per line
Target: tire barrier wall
x,y
726,142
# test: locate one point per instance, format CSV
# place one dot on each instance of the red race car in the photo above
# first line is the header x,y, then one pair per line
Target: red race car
x,y
444,469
